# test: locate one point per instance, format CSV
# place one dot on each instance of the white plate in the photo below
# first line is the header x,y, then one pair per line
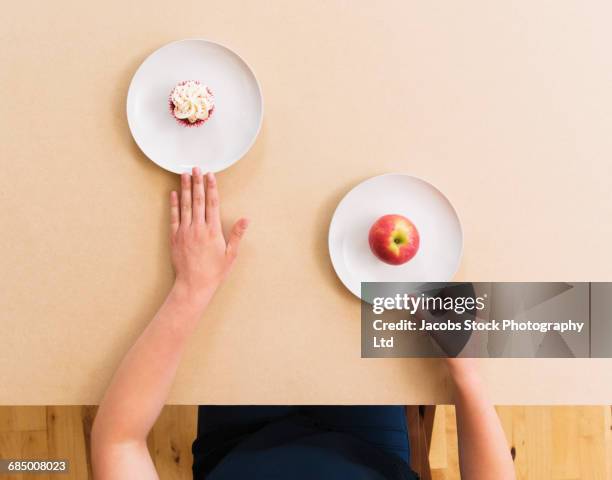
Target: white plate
x,y
225,137
435,218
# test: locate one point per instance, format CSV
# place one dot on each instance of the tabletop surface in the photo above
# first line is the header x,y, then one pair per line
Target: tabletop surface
x,y
504,106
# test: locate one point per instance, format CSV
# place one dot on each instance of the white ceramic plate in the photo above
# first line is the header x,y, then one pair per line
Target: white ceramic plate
x,y
439,228
225,137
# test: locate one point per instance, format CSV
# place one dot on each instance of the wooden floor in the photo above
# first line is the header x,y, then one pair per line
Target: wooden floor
x,y
557,443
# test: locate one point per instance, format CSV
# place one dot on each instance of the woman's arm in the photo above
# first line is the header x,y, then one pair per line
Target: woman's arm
x,y
483,451
201,259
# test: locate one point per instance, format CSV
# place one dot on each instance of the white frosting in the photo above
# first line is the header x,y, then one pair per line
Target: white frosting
x,y
192,101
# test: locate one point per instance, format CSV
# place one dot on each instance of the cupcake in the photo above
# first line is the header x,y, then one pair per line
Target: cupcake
x,y
191,103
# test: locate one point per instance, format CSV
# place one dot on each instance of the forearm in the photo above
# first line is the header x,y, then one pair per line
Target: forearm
x,y
201,259
142,382
483,451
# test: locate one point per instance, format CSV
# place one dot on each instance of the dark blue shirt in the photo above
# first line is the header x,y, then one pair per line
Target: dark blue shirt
x,y
298,449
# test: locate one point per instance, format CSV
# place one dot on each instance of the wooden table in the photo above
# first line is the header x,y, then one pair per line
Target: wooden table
x,y
505,107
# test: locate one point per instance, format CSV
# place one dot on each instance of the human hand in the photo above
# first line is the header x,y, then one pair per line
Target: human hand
x,y
201,257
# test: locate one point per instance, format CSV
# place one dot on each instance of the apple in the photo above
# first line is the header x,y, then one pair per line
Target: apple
x,y
394,239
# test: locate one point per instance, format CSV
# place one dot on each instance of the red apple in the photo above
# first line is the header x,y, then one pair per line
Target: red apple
x,y
394,239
